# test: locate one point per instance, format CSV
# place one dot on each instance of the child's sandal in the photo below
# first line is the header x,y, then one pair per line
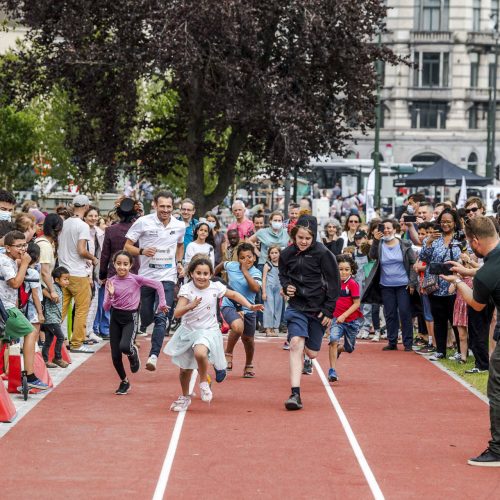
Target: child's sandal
x,y
248,373
229,361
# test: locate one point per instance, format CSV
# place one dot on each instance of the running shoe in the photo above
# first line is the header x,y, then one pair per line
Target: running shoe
x,y
220,375
82,349
94,337
437,356
383,336
181,403
308,367
205,392
365,334
332,375
486,459
60,363
390,347
456,357
135,361
123,388
38,384
151,363
293,402
475,370
141,333
430,349
376,337
286,346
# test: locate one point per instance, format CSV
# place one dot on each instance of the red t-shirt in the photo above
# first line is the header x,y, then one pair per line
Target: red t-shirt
x,y
349,290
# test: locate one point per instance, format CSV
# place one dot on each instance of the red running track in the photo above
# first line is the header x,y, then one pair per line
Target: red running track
x,y
416,427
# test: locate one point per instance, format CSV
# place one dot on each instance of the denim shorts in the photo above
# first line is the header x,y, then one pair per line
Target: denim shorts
x,y
230,314
346,330
426,307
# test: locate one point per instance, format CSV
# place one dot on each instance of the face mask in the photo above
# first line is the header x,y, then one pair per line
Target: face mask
x,y
4,215
388,238
211,225
410,210
276,225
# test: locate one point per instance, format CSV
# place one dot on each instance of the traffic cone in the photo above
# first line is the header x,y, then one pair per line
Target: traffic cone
x,y
64,352
41,372
14,368
7,409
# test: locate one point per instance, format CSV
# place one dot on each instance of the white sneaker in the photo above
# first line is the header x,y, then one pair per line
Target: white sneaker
x,y
141,334
383,336
376,337
456,357
181,403
365,334
359,335
94,337
151,363
205,392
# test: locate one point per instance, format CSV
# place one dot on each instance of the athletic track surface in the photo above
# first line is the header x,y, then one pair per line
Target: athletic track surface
x,y
406,430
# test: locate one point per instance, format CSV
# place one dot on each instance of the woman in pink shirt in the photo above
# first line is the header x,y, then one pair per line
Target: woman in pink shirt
x,y
122,297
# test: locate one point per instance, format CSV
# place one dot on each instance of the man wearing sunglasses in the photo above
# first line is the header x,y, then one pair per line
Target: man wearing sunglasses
x,y
483,240
474,207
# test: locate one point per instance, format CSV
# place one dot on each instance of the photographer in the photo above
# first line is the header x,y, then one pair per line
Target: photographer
x,y
483,239
441,246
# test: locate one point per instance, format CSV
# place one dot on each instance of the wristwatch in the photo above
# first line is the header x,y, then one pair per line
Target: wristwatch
x,y
140,251
179,262
459,280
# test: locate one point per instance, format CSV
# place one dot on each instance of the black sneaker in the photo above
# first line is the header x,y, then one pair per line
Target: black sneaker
x,y
408,348
390,347
486,459
293,403
135,361
308,367
124,388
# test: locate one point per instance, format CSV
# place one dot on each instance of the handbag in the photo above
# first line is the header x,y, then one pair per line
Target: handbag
x,y
430,284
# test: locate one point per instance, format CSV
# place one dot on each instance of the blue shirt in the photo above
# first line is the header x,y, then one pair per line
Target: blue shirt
x,y
188,235
238,283
392,269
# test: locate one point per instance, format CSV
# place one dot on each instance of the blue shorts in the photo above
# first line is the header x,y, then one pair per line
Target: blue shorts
x,y
426,307
230,314
346,330
306,325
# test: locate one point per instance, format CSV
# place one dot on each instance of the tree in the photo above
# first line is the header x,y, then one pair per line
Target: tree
x,y
279,81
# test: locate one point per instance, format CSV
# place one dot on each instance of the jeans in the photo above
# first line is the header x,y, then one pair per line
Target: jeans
x,y
149,304
79,290
258,299
397,308
442,312
273,307
494,397
478,323
101,322
52,330
346,330
371,317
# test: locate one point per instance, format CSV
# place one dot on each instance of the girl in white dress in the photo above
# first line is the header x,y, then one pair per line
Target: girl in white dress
x,y
198,341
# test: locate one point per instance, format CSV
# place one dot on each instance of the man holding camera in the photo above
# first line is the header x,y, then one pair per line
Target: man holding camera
x,y
483,240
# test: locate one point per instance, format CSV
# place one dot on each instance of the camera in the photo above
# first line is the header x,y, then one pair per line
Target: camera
x,y
381,227
440,268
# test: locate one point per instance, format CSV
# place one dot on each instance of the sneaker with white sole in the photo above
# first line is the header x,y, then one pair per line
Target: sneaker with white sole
x,y
94,337
140,333
135,361
82,349
376,337
205,392
181,403
383,336
475,370
456,357
151,363
437,356
365,335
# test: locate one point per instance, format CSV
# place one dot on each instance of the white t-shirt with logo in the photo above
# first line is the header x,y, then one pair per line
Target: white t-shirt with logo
x,y
8,270
193,248
149,231
204,315
74,229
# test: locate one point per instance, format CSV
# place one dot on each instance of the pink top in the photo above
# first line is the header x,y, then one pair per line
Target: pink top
x,y
245,229
128,292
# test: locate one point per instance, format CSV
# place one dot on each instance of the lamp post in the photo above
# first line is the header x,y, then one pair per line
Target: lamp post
x,y
376,149
492,122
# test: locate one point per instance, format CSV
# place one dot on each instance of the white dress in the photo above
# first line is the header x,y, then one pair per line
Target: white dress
x,y
199,327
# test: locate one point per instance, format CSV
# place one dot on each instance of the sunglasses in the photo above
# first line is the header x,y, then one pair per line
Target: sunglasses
x,y
473,209
354,222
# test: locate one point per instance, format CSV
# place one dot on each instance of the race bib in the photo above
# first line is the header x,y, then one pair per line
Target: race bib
x,y
163,259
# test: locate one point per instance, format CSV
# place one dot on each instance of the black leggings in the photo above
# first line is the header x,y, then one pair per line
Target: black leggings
x,y
122,330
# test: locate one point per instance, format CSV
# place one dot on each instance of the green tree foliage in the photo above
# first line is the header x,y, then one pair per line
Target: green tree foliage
x,y
278,81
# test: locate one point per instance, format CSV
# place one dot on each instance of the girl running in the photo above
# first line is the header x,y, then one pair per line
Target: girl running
x,y
198,341
122,296
309,276
271,295
203,243
346,317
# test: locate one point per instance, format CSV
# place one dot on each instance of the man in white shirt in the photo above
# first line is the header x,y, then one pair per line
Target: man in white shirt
x,y
72,253
161,248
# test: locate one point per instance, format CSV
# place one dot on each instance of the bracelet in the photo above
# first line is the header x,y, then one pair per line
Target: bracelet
x,y
459,280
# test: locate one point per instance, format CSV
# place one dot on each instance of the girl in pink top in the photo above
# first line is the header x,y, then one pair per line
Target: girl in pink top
x,y
122,297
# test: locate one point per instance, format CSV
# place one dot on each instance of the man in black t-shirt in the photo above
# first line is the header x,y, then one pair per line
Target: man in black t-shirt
x,y
484,241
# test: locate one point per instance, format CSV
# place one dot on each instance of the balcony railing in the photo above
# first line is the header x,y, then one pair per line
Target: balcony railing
x,y
430,36
480,39
430,93
477,94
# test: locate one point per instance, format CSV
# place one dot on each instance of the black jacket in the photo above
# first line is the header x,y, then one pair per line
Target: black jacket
x,y
315,275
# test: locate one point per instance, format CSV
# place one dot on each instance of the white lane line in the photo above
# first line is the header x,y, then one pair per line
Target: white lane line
x,y
161,486
370,478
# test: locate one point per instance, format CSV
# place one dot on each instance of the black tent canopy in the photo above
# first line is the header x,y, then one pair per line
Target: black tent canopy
x,y
442,173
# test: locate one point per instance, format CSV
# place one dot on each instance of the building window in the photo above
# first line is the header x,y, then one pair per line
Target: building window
x,y
428,114
433,15
474,73
433,69
476,15
473,116
491,75
472,163
425,159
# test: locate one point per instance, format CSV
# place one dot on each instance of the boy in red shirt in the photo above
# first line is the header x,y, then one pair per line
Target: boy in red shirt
x,y
346,317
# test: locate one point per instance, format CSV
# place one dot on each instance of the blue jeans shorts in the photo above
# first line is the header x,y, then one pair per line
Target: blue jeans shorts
x,y
301,324
346,330
230,314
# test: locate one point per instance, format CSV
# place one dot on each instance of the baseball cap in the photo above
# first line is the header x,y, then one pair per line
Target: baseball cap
x,y
359,234
81,200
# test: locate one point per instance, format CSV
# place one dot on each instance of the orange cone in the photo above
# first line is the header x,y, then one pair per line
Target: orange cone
x,y
7,409
41,371
14,369
64,352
